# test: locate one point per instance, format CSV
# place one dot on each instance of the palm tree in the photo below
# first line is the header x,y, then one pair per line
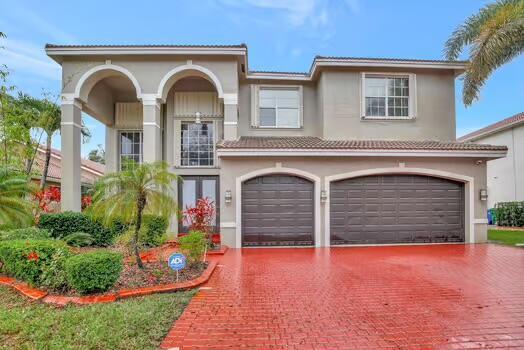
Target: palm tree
x,y
15,207
495,36
136,190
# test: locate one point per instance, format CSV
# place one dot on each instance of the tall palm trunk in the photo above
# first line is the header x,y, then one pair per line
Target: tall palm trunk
x,y
47,160
140,205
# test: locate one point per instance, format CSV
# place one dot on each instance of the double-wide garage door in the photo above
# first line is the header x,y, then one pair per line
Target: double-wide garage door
x,y
396,209
278,210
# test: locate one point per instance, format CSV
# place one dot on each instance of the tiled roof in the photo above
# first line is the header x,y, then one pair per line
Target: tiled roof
x,y
348,58
89,172
47,46
498,126
310,142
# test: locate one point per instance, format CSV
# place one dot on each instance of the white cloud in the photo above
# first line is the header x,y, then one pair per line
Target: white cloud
x,y
39,24
24,57
297,12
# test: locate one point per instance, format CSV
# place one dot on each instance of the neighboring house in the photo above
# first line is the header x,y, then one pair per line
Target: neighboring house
x,y
89,172
354,151
505,176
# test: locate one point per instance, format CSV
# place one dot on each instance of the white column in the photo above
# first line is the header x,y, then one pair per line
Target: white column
x,y
230,116
71,126
111,149
152,136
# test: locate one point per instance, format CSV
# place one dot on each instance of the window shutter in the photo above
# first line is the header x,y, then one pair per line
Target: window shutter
x,y
254,106
412,95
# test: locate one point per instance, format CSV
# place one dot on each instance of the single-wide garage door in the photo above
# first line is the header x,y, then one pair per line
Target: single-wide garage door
x,y
277,210
396,209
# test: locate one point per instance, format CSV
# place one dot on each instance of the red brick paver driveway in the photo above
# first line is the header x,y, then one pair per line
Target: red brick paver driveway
x,y
447,296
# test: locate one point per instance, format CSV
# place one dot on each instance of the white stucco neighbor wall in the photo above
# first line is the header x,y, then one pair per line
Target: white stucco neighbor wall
x,y
505,176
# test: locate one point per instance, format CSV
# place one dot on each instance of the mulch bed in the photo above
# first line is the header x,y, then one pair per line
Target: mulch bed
x,y
155,273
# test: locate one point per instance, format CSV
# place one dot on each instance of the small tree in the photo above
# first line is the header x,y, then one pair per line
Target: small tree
x,y
136,190
97,155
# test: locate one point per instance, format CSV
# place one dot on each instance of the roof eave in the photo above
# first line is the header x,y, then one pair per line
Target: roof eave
x,y
323,152
57,53
476,137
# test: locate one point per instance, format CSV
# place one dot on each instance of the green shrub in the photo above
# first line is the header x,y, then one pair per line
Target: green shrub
x,y
63,224
193,245
53,275
24,233
154,232
93,272
27,259
79,239
510,213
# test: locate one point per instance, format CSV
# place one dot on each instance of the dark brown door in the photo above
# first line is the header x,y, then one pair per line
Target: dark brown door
x,y
396,209
277,210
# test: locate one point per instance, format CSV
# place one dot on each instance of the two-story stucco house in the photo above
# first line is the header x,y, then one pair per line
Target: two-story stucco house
x,y
355,151
505,176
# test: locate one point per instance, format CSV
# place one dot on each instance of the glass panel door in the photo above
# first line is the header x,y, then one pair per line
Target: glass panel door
x,y
196,187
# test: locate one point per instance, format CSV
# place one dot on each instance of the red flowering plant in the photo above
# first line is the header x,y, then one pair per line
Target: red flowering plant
x,y
33,256
48,200
86,201
200,217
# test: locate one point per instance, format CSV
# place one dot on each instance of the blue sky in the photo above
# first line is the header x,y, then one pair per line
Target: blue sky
x,y
280,34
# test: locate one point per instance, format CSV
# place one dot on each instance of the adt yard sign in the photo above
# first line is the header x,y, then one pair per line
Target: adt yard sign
x,y
177,261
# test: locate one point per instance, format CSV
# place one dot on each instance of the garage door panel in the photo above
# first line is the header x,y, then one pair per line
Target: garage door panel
x,y
277,210
396,209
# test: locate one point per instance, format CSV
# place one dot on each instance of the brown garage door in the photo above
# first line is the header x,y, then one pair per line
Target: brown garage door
x,y
277,210
396,209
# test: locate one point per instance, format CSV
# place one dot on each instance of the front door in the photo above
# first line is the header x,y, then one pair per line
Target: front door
x,y
193,188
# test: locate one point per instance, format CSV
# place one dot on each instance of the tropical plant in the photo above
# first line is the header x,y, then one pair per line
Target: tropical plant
x,y
15,206
193,245
133,192
200,217
495,35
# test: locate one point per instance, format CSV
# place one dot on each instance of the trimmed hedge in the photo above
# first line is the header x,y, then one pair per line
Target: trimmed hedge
x,y
28,259
24,233
93,272
510,213
63,224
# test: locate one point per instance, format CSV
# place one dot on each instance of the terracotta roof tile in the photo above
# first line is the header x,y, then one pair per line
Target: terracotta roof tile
x,y
498,126
310,142
349,58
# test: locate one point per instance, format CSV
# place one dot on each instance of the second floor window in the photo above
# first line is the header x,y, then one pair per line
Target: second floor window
x,y
387,96
198,144
130,147
279,108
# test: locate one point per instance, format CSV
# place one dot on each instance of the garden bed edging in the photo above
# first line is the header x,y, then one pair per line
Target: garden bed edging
x,y
60,300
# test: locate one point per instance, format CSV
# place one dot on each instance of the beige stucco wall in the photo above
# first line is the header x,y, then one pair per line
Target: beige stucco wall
x,y
505,176
341,108
235,167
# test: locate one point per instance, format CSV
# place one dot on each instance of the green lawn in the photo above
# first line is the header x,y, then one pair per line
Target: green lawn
x,y
139,323
506,237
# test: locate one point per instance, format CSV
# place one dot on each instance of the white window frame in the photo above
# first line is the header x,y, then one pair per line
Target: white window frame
x,y
179,148
412,98
119,141
255,102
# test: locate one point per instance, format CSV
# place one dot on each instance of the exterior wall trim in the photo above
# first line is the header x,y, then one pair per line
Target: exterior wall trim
x,y
277,170
102,67
469,184
161,94
354,153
